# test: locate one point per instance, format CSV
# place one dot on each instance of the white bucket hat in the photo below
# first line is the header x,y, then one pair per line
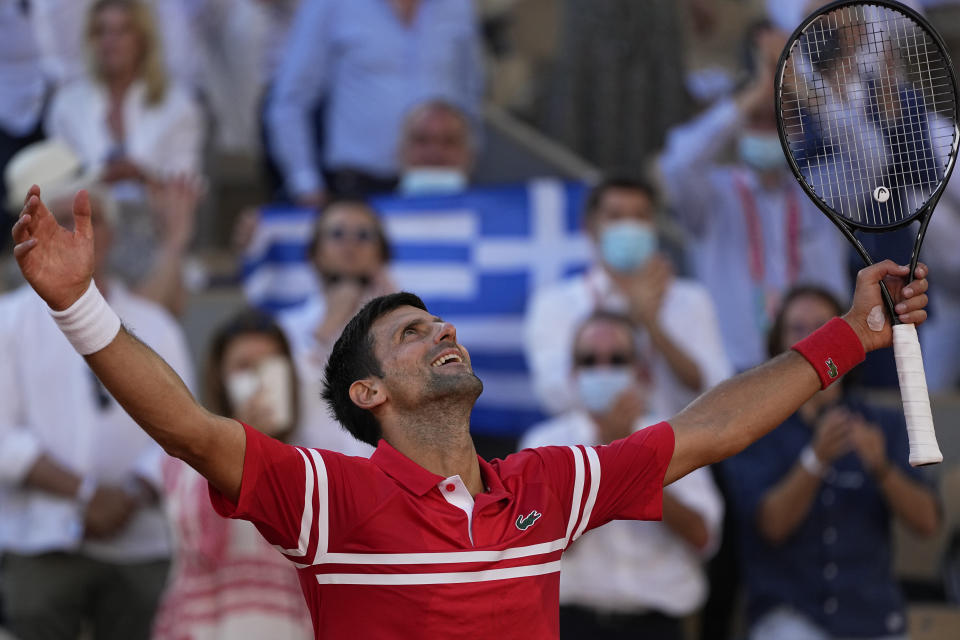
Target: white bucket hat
x,y
51,164
58,171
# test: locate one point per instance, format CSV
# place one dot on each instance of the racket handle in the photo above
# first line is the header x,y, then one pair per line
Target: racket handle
x,y
916,400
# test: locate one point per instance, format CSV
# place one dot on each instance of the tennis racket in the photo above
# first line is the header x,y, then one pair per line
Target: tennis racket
x,y
866,106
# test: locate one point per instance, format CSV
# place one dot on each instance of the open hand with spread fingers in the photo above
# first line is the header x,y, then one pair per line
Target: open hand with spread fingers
x,y
57,262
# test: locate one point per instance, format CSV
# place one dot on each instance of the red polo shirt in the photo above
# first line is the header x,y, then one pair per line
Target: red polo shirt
x,y
386,549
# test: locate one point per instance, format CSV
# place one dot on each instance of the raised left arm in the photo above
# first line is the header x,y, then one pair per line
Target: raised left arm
x,y
741,410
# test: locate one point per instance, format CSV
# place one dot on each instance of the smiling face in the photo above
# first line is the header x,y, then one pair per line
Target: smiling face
x,y
421,360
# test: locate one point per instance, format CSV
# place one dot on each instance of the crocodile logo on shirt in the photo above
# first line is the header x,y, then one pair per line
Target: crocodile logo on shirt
x,y
525,522
832,368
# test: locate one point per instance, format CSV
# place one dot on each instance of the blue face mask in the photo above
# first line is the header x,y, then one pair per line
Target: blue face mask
x,y
761,151
432,181
599,387
627,245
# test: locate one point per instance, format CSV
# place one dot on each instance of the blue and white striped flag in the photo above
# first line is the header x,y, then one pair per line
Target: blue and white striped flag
x,y
474,258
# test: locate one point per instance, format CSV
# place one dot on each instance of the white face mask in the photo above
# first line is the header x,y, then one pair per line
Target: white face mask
x,y
761,151
273,376
599,387
432,181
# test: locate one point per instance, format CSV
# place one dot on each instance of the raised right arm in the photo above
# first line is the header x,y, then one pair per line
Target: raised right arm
x,y
155,397
58,264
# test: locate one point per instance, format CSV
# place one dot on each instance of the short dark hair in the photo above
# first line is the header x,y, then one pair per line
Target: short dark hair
x,y
353,359
599,190
775,344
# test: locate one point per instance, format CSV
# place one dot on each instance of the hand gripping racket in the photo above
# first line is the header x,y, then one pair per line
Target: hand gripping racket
x,y
866,104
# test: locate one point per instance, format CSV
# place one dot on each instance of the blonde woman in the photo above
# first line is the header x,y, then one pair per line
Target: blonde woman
x,y
126,118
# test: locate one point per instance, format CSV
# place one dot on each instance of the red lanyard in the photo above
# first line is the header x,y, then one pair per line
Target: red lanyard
x,y
755,236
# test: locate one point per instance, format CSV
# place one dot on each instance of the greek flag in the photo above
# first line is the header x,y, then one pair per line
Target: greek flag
x,y
474,258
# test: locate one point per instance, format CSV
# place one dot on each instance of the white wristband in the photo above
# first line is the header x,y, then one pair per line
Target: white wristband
x,y
811,463
89,323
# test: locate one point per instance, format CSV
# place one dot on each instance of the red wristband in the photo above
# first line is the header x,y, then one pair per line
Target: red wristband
x,y
832,350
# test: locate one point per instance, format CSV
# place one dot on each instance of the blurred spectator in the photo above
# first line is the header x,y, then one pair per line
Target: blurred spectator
x,y
675,319
628,579
752,231
940,334
813,502
127,119
436,150
619,80
370,62
59,29
350,254
788,14
156,237
226,581
83,537
150,239
436,155
23,96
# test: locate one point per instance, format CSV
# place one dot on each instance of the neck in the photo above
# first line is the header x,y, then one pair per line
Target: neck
x,y
119,83
438,439
406,9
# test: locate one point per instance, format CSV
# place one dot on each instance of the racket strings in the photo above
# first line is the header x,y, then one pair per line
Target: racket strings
x,y
869,113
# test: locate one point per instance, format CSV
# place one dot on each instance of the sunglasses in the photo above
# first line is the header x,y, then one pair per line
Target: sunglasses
x,y
586,360
341,234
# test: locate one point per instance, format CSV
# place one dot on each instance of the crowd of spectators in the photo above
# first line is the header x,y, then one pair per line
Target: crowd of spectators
x,y
102,534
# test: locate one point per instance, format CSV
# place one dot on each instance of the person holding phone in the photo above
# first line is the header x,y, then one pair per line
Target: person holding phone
x,y
226,581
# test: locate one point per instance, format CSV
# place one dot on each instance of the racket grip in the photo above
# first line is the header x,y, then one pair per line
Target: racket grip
x,y
916,401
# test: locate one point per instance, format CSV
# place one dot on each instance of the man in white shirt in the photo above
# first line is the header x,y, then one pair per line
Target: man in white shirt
x,y
752,233
675,319
82,533
628,579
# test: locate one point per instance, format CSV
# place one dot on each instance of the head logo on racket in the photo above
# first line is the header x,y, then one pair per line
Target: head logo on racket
x,y
881,194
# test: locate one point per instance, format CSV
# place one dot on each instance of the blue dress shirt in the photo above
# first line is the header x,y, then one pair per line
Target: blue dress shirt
x,y
836,568
371,68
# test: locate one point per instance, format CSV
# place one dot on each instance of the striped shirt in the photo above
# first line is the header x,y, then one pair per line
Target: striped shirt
x,y
387,549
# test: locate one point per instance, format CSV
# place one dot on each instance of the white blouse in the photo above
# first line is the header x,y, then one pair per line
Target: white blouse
x,y
162,139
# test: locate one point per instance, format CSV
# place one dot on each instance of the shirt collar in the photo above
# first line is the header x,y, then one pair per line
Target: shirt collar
x,y
419,481
404,470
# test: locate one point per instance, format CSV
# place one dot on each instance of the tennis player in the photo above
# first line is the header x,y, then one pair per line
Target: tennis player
x,y
425,539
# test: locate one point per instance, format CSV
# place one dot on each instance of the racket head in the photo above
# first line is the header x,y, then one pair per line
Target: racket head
x,y
867,106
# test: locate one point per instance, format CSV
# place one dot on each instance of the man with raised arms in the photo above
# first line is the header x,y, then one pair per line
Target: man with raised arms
x,y
425,539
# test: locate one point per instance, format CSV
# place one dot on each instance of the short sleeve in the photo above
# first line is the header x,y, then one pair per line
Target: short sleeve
x,y
624,479
283,492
